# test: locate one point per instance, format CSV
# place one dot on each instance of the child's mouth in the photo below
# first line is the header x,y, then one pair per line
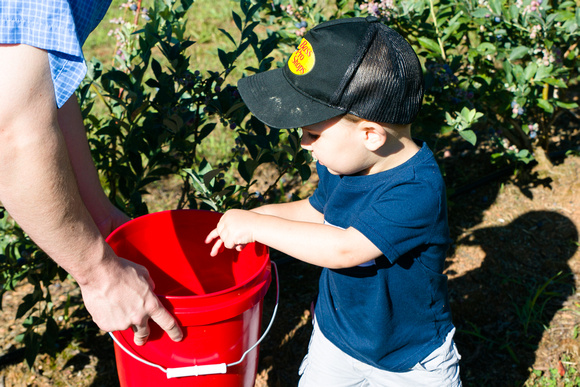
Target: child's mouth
x,y
316,159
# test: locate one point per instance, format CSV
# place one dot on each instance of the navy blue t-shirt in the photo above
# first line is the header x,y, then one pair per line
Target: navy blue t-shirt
x,y
394,311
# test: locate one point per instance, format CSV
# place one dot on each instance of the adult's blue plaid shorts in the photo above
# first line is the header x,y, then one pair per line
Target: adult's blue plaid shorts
x,y
58,26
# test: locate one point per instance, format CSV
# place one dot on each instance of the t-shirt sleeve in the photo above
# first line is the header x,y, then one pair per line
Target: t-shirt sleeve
x,y
320,195
59,27
408,217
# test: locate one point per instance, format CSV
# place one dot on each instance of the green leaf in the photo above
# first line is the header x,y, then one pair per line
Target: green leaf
x,y
472,114
452,26
543,72
466,114
495,6
246,169
204,167
518,72
446,129
294,143
227,34
205,131
512,12
566,105
469,136
152,83
430,45
156,67
518,53
555,82
486,48
223,58
210,175
523,153
547,106
249,30
237,20
136,162
253,9
450,30
480,13
530,70
235,107
305,172
566,4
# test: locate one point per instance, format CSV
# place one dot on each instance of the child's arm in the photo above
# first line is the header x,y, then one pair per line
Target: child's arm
x,y
314,243
300,210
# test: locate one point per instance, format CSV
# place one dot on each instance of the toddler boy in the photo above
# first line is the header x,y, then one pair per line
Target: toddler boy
x,y
377,222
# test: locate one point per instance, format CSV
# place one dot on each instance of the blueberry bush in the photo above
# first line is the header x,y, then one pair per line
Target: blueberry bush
x,y
498,73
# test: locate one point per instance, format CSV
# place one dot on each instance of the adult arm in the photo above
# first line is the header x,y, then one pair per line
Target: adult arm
x,y
106,216
39,190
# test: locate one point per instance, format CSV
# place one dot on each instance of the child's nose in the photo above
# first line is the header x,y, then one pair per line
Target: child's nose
x,y
306,143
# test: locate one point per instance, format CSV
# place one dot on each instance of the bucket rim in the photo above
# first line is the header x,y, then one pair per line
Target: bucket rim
x,y
254,278
241,285
141,218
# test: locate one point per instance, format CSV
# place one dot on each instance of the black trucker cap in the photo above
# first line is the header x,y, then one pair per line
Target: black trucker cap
x,y
357,66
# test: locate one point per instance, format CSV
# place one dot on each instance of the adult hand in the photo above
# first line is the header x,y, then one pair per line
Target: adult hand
x,y
124,298
60,199
112,221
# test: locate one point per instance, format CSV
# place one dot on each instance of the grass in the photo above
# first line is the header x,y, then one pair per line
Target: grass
x,y
566,375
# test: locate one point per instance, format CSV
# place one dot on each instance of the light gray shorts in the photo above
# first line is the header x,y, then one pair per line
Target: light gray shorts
x,y
327,365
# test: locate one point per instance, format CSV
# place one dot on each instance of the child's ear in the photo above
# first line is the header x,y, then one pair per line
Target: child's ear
x,y
375,136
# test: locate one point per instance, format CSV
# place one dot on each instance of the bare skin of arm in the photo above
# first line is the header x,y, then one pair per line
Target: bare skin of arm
x,y
296,230
39,190
106,216
300,210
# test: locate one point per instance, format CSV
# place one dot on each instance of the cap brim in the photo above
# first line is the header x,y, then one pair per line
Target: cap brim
x,y
273,100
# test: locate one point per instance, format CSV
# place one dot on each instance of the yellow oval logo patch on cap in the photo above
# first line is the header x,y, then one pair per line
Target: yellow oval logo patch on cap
x,y
302,60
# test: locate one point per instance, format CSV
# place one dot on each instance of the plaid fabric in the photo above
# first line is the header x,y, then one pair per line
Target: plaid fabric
x,y
58,26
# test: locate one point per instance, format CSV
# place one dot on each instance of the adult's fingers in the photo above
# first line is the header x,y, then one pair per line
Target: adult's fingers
x,y
166,321
141,333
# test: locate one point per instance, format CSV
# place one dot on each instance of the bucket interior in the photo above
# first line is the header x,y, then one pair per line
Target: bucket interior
x,y
171,245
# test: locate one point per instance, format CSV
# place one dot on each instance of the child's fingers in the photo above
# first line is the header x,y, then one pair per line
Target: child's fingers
x,y
211,236
217,248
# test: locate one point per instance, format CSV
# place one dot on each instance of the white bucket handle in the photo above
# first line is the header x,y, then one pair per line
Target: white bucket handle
x,y
209,369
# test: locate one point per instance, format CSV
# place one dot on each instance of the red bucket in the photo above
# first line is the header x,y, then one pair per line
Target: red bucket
x,y
216,300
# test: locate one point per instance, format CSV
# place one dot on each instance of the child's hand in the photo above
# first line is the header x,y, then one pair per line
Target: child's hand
x,y
232,231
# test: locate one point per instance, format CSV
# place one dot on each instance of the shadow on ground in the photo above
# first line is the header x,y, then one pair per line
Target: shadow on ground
x,y
501,308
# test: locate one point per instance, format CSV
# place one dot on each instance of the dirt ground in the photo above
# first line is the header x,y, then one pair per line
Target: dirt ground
x,y
513,273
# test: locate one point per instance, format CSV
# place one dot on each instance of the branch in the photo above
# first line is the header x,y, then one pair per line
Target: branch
x,y
432,7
